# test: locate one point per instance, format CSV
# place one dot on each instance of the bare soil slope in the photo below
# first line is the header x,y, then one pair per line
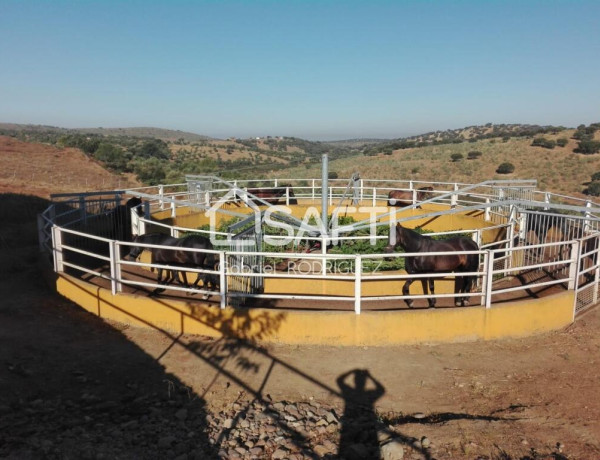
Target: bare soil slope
x,y
40,170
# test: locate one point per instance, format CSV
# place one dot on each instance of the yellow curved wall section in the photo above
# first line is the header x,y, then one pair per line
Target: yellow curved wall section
x,y
516,319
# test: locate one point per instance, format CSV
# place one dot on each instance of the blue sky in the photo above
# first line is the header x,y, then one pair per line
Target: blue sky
x,y
311,69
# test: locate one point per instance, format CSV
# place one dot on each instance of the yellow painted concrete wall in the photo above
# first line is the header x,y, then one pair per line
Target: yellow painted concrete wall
x,y
515,319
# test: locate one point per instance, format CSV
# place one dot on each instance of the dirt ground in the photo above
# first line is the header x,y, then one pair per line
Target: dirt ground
x,y
529,398
535,397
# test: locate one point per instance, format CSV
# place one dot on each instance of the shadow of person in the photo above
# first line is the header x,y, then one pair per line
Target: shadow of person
x,y
358,438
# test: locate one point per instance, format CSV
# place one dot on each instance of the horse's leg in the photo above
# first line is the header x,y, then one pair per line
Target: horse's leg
x,y
459,285
431,299
158,290
406,290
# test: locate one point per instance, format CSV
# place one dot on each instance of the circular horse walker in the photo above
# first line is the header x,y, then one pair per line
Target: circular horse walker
x,y
303,261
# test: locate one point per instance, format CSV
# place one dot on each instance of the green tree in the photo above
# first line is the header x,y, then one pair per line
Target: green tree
x,y
505,168
154,148
150,171
543,142
588,147
112,156
594,188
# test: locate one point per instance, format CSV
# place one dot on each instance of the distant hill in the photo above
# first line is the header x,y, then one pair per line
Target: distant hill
x,y
554,156
355,143
140,132
460,135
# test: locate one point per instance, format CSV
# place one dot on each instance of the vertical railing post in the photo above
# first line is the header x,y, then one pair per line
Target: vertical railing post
x,y
222,280
41,223
596,271
374,197
574,265
161,194
510,244
312,190
57,249
287,196
324,243
454,197
489,277
357,283
82,209
486,213
173,209
586,224
115,267
361,190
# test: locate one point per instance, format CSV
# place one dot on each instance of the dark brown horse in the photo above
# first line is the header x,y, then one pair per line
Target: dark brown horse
x,y
274,195
402,198
412,241
178,259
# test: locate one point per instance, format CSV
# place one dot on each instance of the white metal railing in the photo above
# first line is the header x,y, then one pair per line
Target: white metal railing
x,y
114,264
496,200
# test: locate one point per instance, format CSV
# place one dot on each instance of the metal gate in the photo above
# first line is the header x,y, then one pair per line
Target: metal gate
x,y
588,273
240,267
199,189
547,227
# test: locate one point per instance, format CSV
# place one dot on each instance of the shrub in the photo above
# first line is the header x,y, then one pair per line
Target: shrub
x,y
596,176
332,175
562,141
505,168
456,157
594,188
474,154
543,142
588,147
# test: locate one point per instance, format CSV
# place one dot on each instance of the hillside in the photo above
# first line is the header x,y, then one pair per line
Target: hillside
x,y
42,169
560,169
137,132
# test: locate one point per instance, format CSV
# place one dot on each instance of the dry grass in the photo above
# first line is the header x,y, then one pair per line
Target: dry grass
x,y
558,170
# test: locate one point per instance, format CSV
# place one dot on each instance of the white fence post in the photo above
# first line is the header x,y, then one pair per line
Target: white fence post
x,y
357,283
115,267
489,277
287,196
161,194
486,213
454,197
586,222
361,190
57,249
173,210
374,197
312,191
574,265
222,280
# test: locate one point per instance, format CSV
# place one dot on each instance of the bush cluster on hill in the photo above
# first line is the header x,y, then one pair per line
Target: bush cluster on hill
x,y
585,135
